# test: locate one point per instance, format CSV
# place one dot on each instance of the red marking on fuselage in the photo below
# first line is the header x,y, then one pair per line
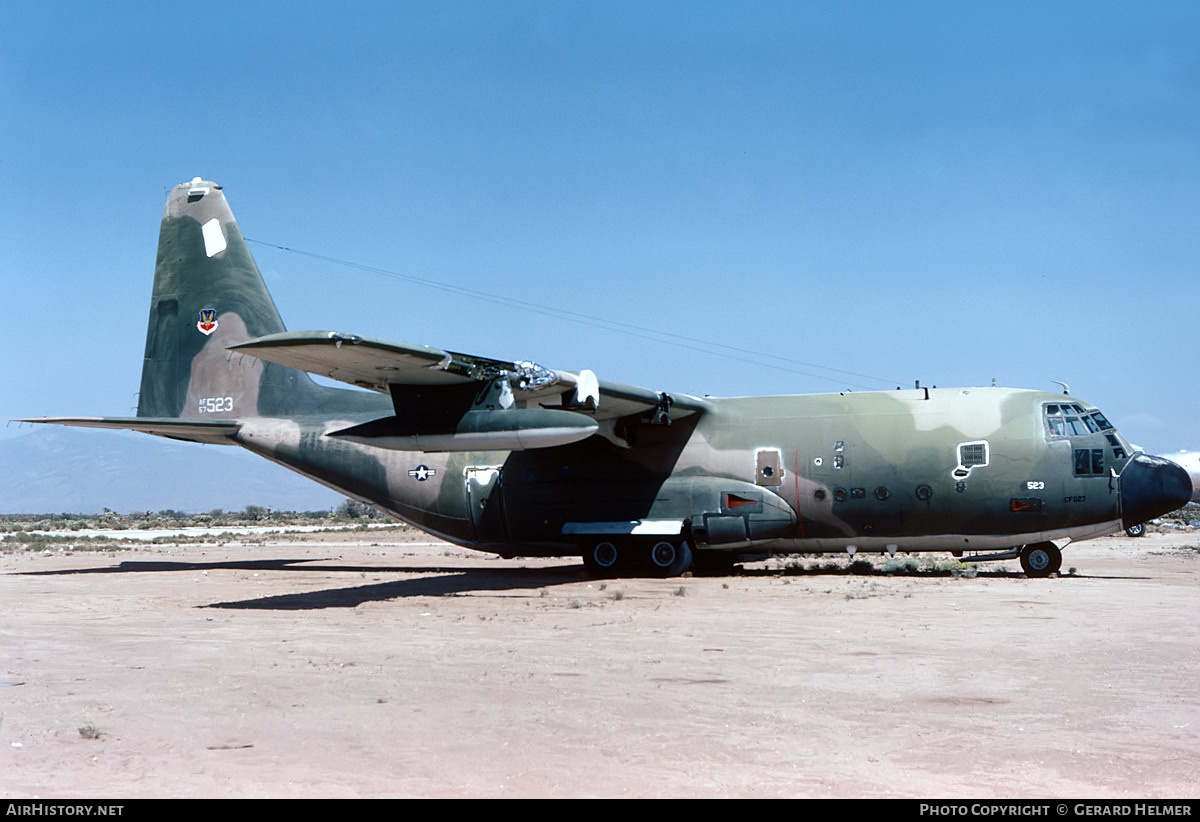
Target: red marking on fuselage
x,y
796,472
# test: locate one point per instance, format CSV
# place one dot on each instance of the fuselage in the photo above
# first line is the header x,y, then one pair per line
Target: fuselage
x,y
937,469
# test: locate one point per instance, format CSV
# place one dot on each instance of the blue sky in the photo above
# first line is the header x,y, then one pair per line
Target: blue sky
x,y
773,197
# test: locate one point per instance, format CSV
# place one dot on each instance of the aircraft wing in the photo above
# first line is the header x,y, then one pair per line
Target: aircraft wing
x,y
383,366
366,362
217,432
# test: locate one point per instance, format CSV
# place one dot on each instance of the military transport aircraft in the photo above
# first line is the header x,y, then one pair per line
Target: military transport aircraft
x,y
513,458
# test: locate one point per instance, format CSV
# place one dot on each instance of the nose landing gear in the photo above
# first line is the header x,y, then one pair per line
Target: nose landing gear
x,y
1041,559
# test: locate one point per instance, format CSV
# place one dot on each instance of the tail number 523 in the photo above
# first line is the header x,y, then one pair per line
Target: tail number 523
x,y
215,405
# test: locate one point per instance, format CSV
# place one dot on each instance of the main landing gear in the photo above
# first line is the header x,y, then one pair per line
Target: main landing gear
x,y
661,558
670,559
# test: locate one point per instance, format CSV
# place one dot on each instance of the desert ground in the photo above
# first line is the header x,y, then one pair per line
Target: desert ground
x,y
383,664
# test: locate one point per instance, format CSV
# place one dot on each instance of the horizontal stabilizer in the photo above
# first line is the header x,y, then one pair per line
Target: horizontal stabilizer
x,y
510,430
217,432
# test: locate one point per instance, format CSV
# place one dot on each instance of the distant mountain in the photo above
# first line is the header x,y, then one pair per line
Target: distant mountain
x,y
53,470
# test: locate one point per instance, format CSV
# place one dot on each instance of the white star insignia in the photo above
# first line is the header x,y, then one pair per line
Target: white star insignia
x,y
422,473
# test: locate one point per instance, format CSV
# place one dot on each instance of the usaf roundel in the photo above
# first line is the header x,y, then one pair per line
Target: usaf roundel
x,y
421,473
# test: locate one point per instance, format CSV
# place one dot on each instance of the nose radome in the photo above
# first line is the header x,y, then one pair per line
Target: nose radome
x,y
1150,487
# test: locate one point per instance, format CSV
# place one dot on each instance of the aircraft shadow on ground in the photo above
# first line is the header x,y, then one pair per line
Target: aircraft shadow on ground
x,y
452,581
446,582
432,582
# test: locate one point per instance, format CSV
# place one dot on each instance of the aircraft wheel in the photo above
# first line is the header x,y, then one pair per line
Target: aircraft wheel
x,y
1138,530
603,558
1041,559
670,559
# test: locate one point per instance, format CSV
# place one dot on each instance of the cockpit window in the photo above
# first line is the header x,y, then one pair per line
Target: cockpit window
x,y
1070,420
1089,462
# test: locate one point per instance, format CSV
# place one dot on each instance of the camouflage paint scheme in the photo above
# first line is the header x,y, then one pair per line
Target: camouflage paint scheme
x,y
516,459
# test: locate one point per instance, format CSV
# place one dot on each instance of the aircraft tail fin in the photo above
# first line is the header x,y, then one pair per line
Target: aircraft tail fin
x,y
208,295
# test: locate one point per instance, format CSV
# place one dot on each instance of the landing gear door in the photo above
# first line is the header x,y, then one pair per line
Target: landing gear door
x,y
484,503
